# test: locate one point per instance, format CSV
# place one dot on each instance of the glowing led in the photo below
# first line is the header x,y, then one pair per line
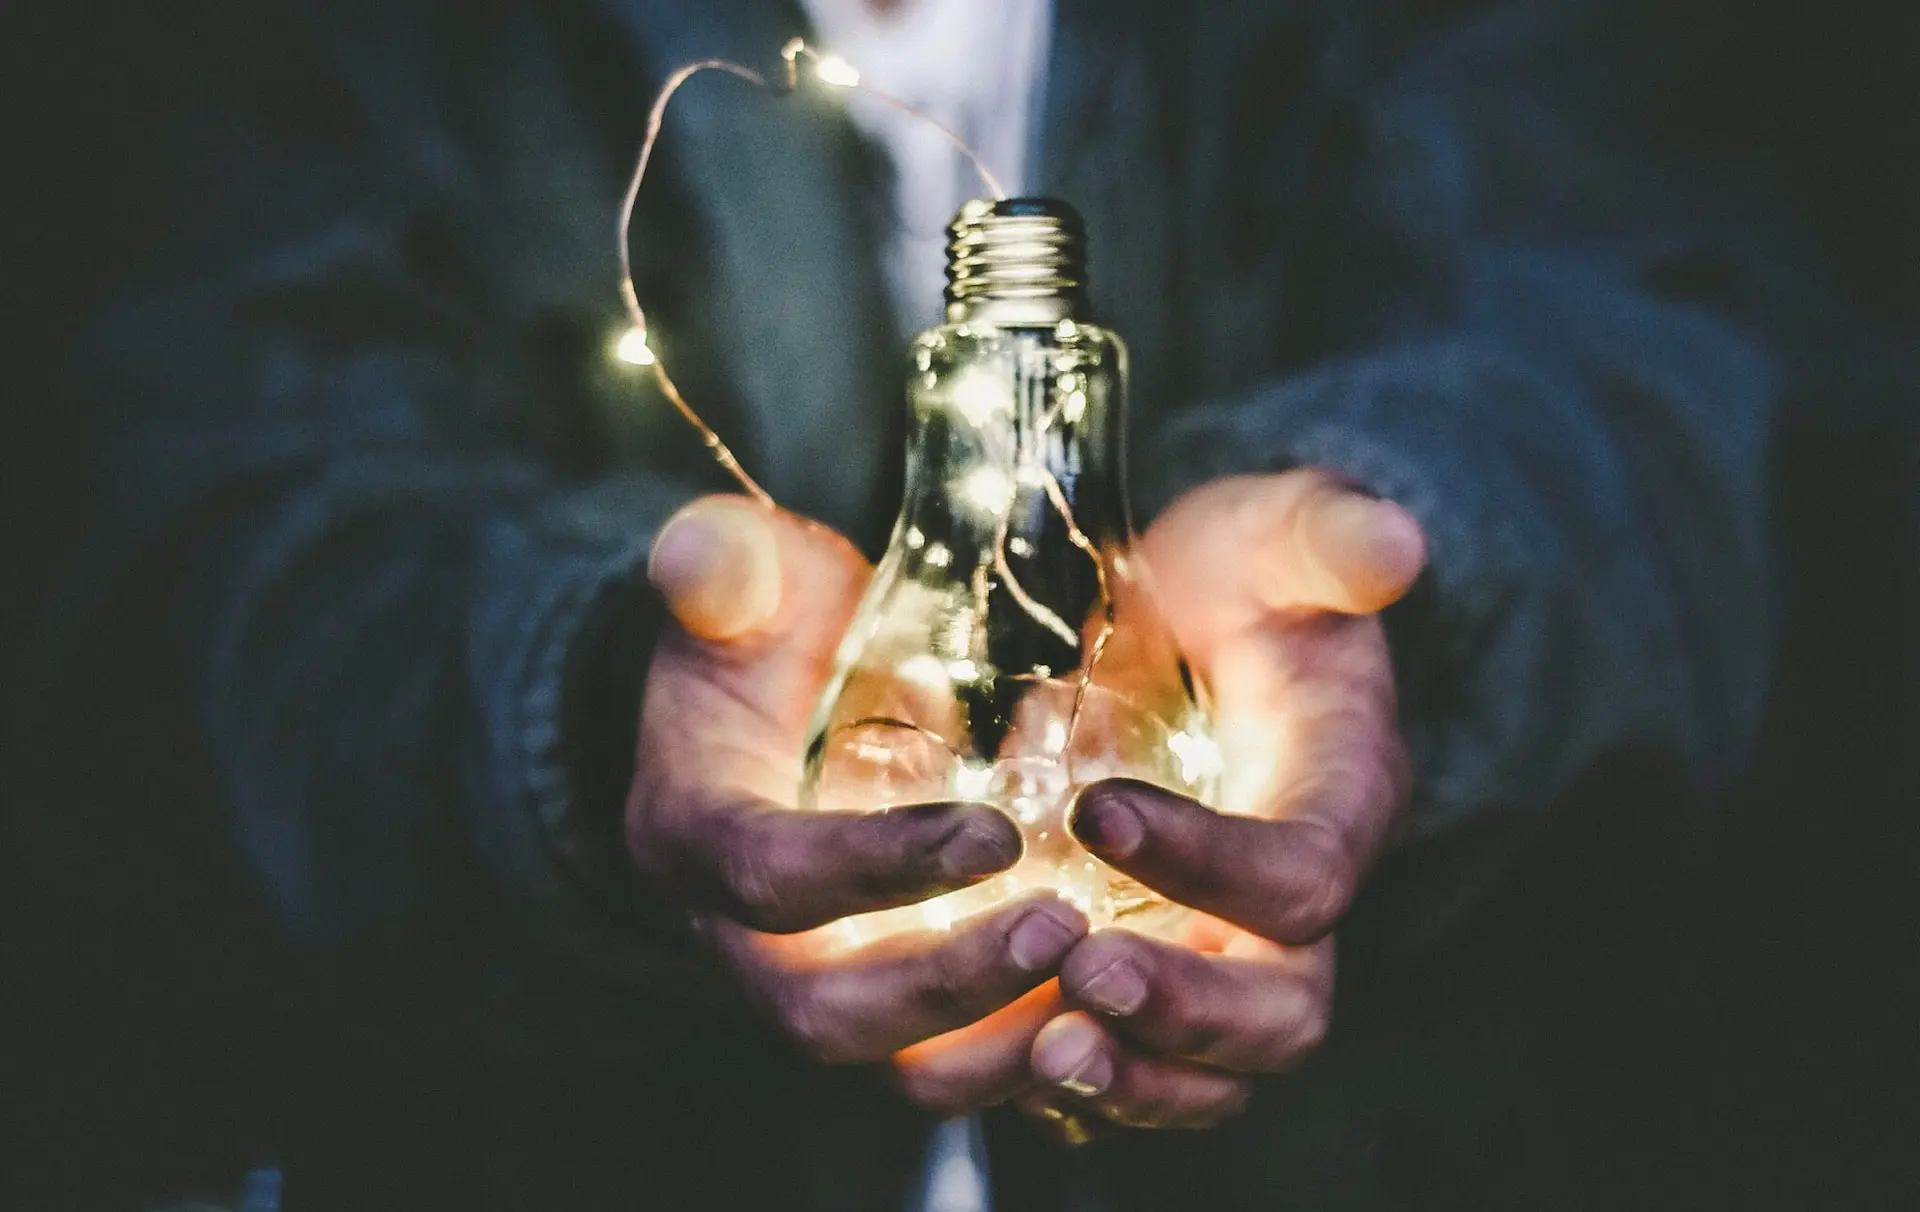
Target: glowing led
x,y
1199,756
1075,408
1056,738
916,538
834,70
631,347
980,397
925,668
973,782
1019,546
937,914
963,671
939,555
986,488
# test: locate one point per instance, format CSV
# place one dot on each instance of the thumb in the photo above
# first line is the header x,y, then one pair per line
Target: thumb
x,y
717,564
761,598
1233,550
1353,554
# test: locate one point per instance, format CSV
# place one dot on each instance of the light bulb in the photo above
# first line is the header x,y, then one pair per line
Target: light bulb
x,y
1006,650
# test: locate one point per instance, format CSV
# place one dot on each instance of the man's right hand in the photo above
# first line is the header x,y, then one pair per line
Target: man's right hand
x,y
759,600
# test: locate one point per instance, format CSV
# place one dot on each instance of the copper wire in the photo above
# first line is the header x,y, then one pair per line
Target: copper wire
x,y
791,54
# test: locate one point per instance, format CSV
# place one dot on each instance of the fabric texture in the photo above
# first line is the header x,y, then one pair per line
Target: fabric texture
x,y
381,499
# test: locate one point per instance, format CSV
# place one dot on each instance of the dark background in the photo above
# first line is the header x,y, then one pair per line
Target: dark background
x,y
1731,1021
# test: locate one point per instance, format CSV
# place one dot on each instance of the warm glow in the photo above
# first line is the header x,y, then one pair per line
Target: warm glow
x,y
980,397
1056,738
632,348
924,669
1199,756
834,70
986,488
973,782
938,913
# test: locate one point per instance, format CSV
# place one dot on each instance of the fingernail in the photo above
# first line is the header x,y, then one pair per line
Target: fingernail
x,y
980,847
683,548
1120,989
1073,1060
1041,940
717,565
1107,825
1393,546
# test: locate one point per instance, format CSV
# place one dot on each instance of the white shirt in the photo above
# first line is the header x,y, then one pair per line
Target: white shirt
x,y
976,65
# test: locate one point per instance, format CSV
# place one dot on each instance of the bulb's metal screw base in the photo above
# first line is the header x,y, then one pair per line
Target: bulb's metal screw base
x,y
1017,263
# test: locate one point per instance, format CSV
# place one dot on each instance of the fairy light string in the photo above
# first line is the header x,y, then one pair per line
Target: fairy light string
x,y
830,70
635,347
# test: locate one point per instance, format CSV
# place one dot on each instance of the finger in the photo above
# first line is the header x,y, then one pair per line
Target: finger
x,y
1260,1010
980,1065
717,565
782,871
734,711
1298,540
869,1004
1287,880
1349,552
724,726
1083,1059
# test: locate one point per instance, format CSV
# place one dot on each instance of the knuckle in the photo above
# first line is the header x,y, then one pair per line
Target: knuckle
x,y
1325,889
1310,1030
954,988
751,884
1204,861
885,853
1300,1034
1229,1102
809,1024
930,1089
1197,1027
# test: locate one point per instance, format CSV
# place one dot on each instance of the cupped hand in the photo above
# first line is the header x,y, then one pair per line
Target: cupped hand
x,y
1272,584
759,600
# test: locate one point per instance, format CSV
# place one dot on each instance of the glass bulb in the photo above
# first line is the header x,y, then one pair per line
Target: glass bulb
x,y
1006,650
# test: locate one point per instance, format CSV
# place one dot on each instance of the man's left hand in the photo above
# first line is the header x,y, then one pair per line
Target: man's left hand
x,y
1272,584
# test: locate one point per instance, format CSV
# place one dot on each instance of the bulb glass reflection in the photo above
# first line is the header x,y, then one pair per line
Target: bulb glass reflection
x,y
965,672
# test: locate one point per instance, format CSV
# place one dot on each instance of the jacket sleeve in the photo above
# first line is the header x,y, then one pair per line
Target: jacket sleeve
x,y
342,468
1544,346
